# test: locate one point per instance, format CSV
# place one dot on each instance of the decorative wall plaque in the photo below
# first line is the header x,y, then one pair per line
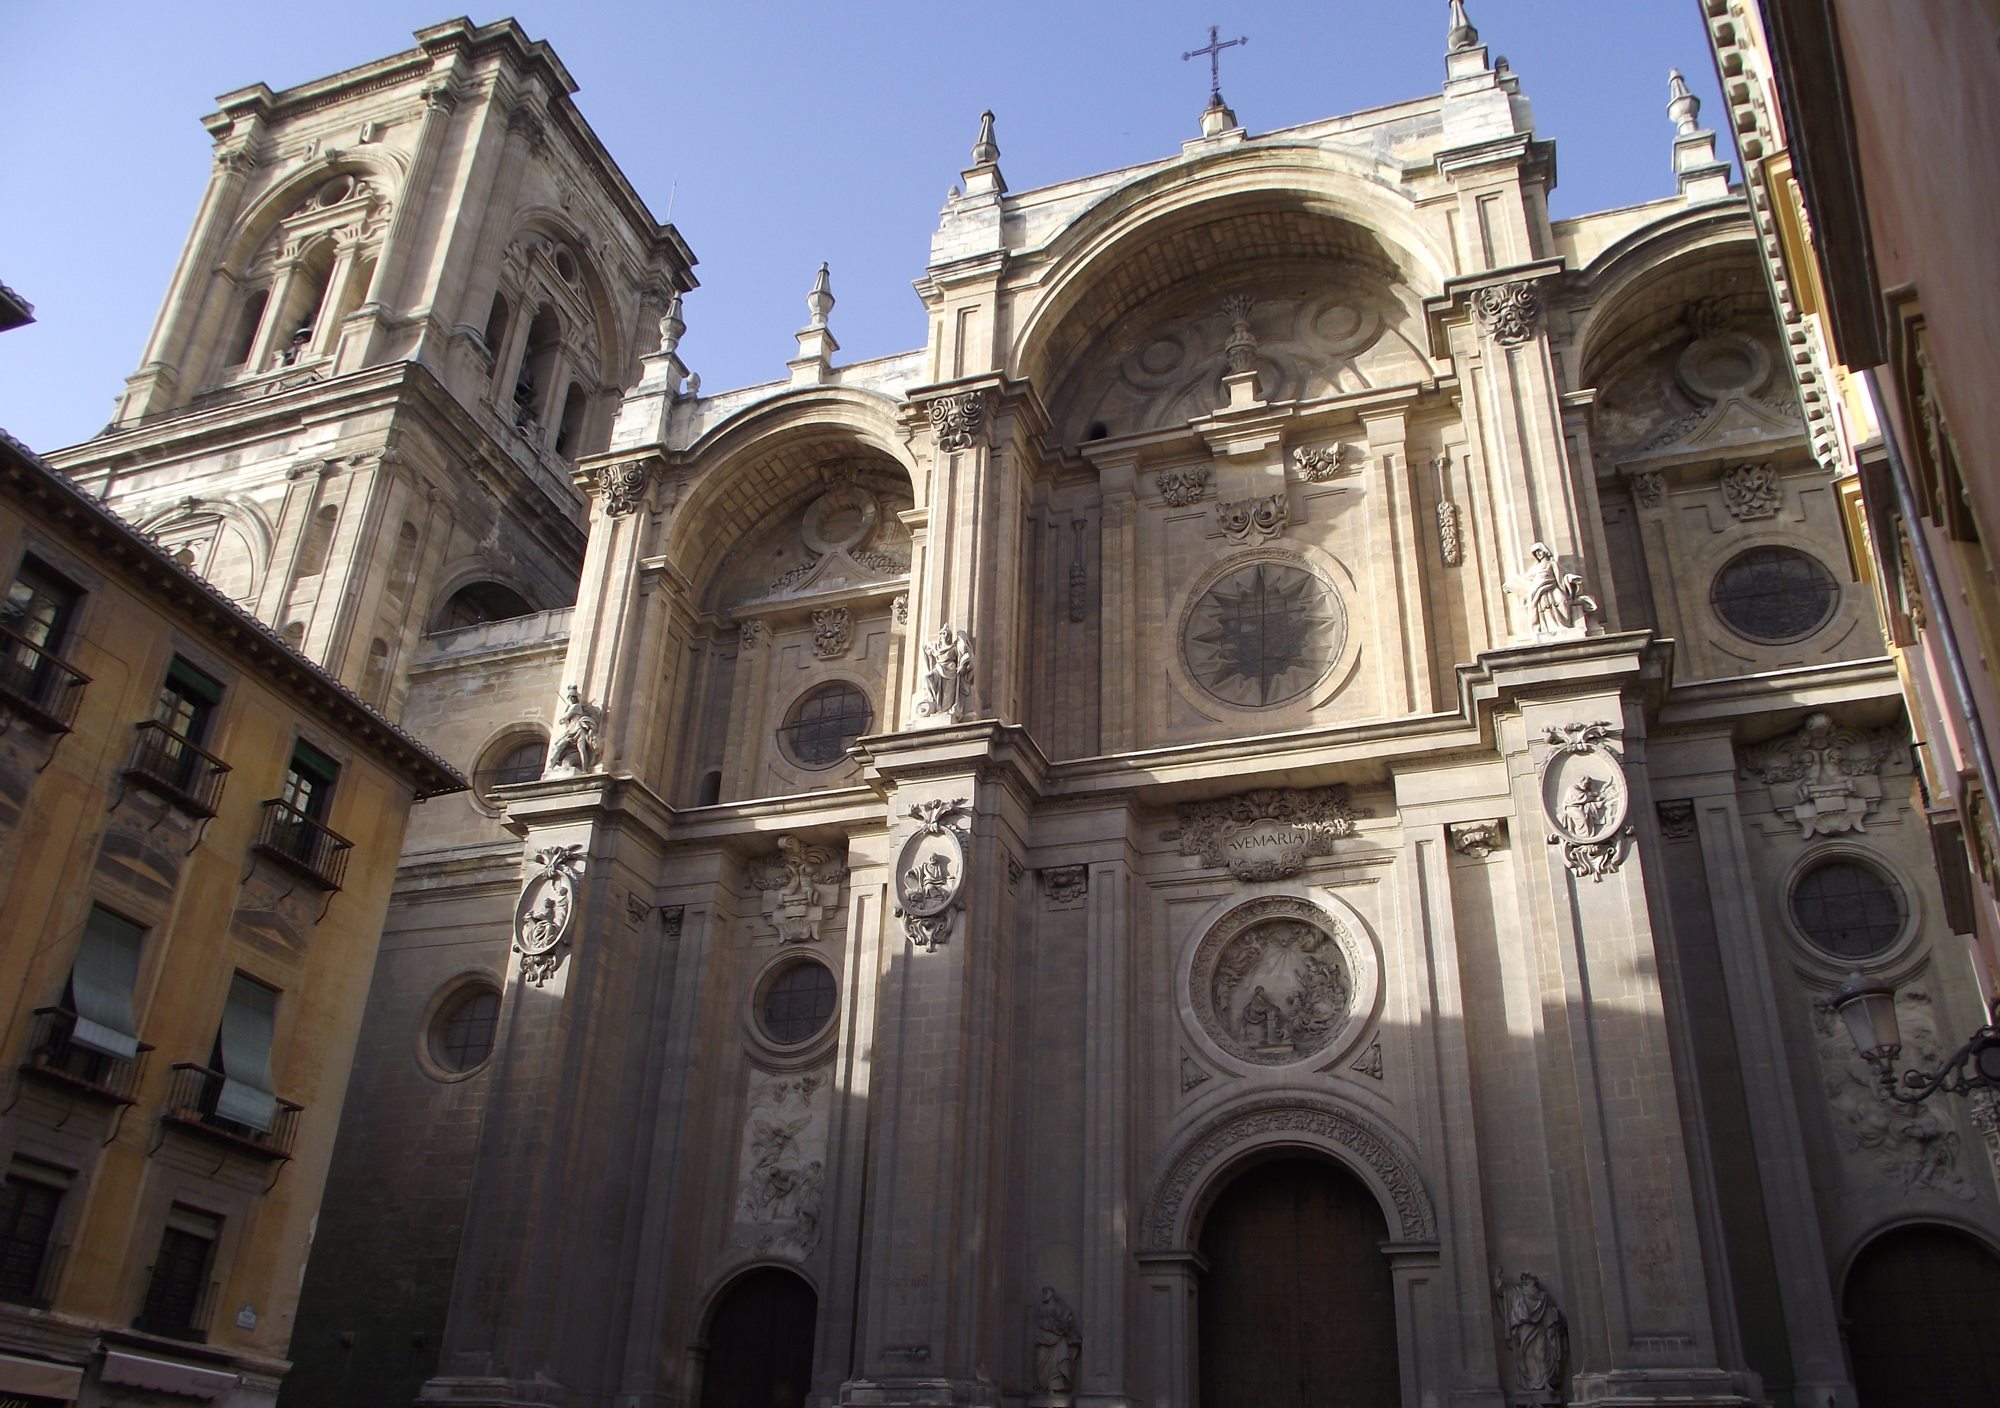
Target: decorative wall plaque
x,y
958,421
1065,885
1477,839
784,1165
1263,633
1585,798
623,486
801,885
1649,488
1317,466
1825,778
1274,982
542,915
1268,834
930,873
1751,491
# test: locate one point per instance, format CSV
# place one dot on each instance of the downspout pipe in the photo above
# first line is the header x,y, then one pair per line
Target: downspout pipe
x,y
1920,550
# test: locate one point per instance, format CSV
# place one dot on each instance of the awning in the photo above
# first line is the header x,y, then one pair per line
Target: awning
x,y
165,1376
38,1378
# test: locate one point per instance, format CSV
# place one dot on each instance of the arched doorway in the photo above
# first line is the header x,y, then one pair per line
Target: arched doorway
x,y
1296,1307
1919,1309
760,1342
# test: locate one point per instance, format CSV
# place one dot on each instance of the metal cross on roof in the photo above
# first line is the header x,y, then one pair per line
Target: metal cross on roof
x,y
1216,44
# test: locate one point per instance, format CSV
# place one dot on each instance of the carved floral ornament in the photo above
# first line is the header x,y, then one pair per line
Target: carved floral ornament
x,y
930,873
1585,797
833,628
1751,491
1268,834
1180,488
1510,312
958,422
1256,520
1318,465
543,915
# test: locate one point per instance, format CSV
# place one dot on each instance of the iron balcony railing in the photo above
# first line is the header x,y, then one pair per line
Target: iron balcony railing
x,y
56,1053
165,762
39,683
192,1100
295,840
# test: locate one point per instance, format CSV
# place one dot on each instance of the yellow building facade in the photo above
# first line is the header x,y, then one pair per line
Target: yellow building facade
x,y
198,833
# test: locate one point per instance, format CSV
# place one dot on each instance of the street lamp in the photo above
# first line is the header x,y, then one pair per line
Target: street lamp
x,y
1869,1012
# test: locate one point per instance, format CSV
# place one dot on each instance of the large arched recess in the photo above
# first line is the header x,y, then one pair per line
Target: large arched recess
x,y
763,459
552,224
1917,1301
1639,285
757,1339
1098,267
383,165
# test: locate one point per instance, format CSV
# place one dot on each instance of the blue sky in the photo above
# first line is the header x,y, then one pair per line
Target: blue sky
x,y
782,133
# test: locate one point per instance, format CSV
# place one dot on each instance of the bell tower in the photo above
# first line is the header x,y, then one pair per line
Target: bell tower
x,y
411,297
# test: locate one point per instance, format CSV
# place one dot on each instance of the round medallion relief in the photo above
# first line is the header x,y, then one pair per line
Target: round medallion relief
x,y
1278,981
840,519
1263,633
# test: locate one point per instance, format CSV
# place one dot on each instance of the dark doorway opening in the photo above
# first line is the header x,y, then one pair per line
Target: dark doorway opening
x,y
1297,1307
760,1342
1919,1309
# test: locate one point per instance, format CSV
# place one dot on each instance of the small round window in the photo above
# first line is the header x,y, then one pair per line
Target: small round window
x,y
1848,909
510,761
462,1032
821,725
1774,594
797,1003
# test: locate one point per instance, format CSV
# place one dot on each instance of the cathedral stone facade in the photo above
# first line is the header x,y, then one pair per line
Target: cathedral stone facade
x,y
1280,804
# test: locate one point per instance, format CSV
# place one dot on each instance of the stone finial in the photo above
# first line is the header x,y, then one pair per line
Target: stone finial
x,y
1463,36
1682,105
1218,117
820,300
672,325
985,151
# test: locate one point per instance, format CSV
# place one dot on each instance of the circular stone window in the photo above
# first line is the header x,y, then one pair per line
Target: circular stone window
x,y
1774,594
796,1003
1848,909
1275,982
1263,634
461,1036
819,727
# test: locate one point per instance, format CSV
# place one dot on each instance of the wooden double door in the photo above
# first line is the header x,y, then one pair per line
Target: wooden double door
x,y
1297,1308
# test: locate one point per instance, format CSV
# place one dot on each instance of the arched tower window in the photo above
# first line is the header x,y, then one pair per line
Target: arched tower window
x,y
537,365
319,541
305,301
476,603
249,318
496,324
403,565
570,432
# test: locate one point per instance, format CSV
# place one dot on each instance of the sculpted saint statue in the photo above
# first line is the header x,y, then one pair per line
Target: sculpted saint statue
x,y
1556,598
576,743
1536,1331
1057,1344
947,685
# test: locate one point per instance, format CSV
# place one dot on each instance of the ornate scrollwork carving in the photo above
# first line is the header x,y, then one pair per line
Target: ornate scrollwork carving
x,y
1477,839
623,486
801,884
1649,488
1317,466
1509,312
1826,778
1450,546
833,629
1585,797
958,422
1064,885
1259,519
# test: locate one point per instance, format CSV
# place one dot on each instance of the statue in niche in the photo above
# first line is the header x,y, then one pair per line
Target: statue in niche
x,y
577,743
1057,1345
947,684
1555,598
1536,1333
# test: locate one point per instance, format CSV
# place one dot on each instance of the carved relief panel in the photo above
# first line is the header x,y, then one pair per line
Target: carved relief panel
x,y
782,1164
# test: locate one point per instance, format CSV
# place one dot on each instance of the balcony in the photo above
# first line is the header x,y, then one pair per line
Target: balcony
x,y
171,766
294,840
38,684
191,1104
56,1055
